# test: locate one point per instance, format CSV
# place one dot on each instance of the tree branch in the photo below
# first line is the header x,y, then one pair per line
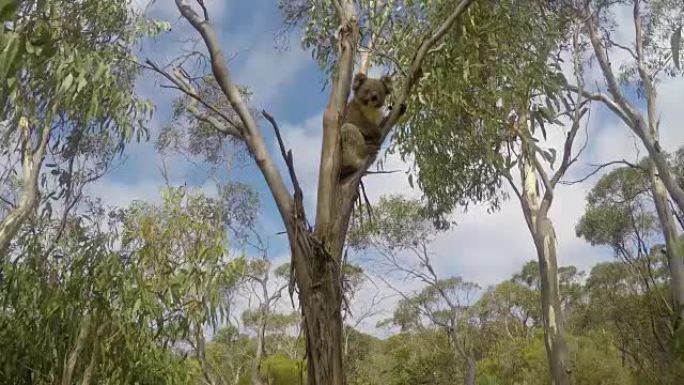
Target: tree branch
x,y
613,86
605,99
329,168
287,157
252,135
187,88
415,68
599,168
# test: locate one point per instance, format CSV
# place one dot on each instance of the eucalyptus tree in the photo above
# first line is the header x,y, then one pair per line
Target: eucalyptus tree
x,y
652,54
335,31
258,275
124,296
620,214
66,94
401,232
486,107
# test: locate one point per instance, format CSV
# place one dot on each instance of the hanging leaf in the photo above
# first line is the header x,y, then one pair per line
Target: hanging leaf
x,y
675,41
66,84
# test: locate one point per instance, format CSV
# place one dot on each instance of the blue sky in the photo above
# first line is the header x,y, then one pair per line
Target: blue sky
x,y
485,248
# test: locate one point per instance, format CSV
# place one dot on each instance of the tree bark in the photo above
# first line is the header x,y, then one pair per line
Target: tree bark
x,y
543,234
320,298
626,110
674,258
74,355
471,371
31,165
658,189
259,354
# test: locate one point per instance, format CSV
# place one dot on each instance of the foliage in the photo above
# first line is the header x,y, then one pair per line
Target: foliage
x,y
123,288
395,221
84,49
618,209
457,130
280,370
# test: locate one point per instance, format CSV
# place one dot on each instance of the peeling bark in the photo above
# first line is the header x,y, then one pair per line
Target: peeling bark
x,y
31,164
535,210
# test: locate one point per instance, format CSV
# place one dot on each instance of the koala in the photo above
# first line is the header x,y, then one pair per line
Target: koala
x,y
363,120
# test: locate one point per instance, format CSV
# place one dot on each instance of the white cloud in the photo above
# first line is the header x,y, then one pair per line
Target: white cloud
x,y
266,71
121,195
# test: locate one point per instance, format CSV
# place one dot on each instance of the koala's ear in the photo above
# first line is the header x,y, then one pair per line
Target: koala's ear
x,y
359,78
387,82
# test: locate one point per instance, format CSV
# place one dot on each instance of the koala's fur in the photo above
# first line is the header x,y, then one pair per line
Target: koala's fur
x,y
363,120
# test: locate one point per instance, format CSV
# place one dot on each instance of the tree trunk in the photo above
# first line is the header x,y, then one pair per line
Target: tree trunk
x,y
544,236
660,191
31,164
643,127
74,355
318,278
674,257
471,371
556,348
259,354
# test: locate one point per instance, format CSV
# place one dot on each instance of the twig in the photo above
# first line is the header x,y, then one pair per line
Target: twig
x,y
287,156
369,208
599,168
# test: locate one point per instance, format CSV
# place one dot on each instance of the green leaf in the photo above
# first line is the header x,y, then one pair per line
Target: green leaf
x,y
80,83
675,42
66,84
9,54
8,9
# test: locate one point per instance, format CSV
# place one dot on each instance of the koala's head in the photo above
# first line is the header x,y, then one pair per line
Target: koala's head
x,y
371,92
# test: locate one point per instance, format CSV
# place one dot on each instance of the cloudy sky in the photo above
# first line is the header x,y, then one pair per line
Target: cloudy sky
x,y
485,248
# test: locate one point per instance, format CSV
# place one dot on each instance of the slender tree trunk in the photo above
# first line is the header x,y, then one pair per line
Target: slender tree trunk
x,y
31,164
660,193
627,111
259,354
554,339
674,257
74,355
471,372
544,237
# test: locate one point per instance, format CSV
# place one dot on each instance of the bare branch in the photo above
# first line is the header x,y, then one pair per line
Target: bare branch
x,y
186,87
605,99
252,135
599,168
600,51
577,115
287,156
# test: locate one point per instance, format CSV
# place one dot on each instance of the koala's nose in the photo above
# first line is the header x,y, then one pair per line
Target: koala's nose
x,y
374,97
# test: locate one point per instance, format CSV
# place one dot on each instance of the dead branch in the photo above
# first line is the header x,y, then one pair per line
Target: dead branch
x,y
599,168
287,157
